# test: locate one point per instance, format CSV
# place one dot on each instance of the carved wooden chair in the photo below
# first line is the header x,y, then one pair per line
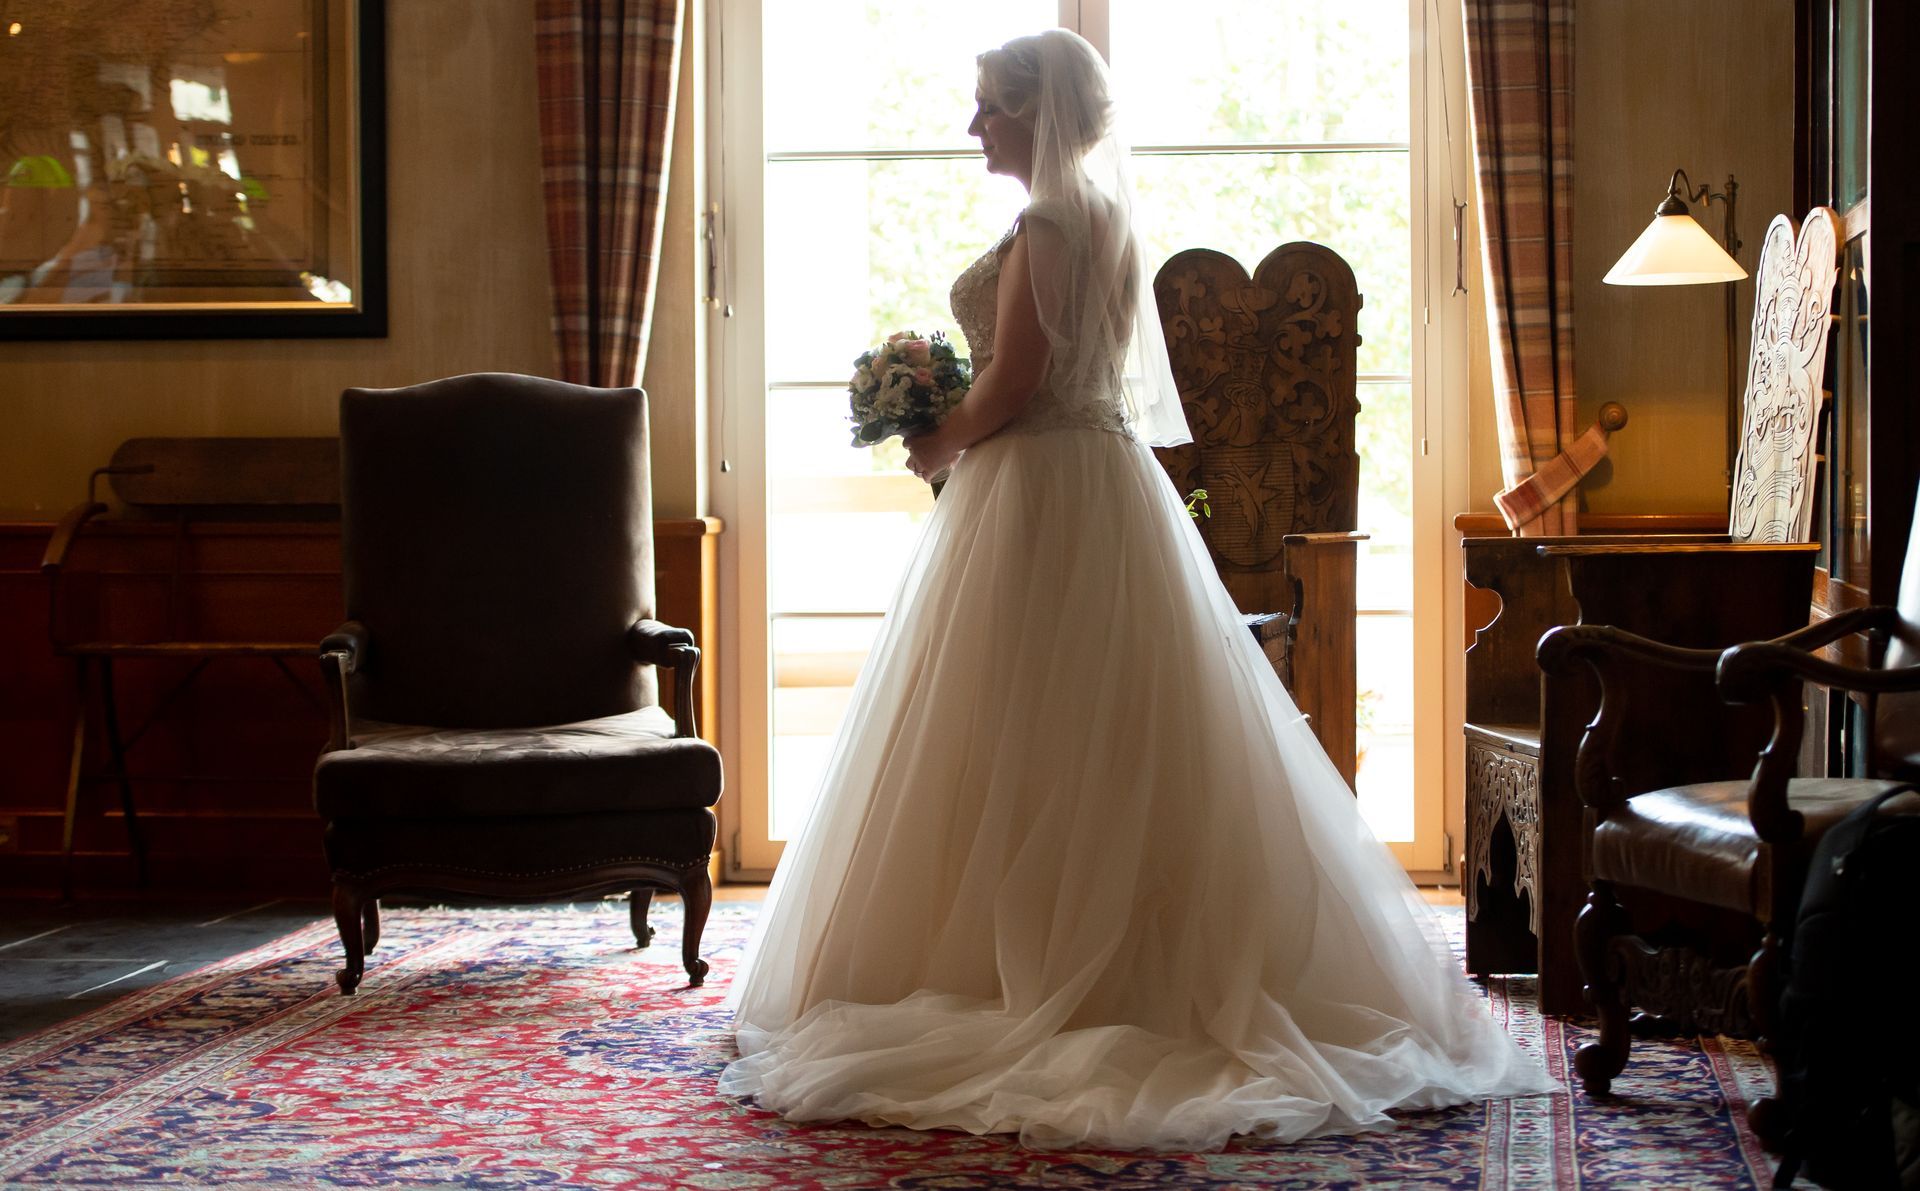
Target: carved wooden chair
x,y
1695,878
1523,872
1265,367
497,731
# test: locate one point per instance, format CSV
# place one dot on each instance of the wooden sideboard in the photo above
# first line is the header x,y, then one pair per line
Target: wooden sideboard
x,y
1522,876
222,772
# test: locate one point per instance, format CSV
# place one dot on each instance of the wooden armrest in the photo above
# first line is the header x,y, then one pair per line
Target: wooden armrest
x,y
64,533
350,639
1880,618
1599,644
341,654
657,644
1747,673
1324,539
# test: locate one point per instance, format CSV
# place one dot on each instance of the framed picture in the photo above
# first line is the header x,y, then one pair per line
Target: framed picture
x,y
192,169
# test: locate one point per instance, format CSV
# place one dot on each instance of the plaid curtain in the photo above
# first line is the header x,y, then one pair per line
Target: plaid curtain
x,y
1520,75
608,73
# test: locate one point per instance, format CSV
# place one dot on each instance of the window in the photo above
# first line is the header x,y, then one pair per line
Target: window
x,y
856,198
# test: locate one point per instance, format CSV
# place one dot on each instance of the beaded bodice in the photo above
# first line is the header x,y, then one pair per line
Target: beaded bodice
x,y
975,300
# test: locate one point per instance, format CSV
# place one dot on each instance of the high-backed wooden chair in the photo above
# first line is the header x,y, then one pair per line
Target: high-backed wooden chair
x,y
1525,846
497,727
1266,370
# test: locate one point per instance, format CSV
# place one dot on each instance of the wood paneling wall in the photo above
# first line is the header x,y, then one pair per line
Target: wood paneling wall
x,y
224,790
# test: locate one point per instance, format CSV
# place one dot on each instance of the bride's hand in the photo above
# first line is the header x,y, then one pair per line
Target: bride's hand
x,y
929,454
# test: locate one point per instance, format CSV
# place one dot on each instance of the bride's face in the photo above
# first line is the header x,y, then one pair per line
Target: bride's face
x,y
1006,141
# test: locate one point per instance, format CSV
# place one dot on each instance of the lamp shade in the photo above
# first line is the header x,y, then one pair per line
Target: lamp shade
x,y
1674,250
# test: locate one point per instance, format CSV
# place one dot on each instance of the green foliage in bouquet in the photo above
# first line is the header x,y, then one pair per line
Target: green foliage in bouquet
x,y
904,386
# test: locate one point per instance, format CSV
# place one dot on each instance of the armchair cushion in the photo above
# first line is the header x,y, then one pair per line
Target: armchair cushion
x,y
1695,842
618,763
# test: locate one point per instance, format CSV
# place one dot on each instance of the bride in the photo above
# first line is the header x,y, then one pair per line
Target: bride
x,y
1078,869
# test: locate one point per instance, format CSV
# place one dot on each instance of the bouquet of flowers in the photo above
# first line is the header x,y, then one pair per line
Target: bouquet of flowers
x,y
904,386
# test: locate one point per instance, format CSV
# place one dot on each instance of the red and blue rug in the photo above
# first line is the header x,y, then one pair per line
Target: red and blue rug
x,y
514,1048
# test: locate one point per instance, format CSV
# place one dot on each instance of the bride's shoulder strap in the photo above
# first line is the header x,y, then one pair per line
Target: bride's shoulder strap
x,y
1066,219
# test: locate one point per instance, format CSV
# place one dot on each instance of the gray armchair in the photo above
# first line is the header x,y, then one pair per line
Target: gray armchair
x,y
497,733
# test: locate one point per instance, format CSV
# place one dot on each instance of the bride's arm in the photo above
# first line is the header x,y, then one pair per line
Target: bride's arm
x,y
1020,357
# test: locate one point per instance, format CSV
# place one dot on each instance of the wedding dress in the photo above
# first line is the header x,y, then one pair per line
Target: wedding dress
x,y
1078,869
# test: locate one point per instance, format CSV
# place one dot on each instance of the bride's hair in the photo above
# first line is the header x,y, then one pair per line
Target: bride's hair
x,y
1011,77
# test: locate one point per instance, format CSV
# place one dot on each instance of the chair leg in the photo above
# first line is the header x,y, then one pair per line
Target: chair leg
x,y
1599,923
347,916
110,716
73,778
370,923
696,890
637,906
1765,1116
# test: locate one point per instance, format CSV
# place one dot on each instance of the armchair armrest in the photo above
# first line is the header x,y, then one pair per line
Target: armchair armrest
x,y
1612,655
1748,673
63,534
656,644
341,653
1882,620
1600,645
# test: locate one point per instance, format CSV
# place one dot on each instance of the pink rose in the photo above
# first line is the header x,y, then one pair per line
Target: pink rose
x,y
919,352
923,376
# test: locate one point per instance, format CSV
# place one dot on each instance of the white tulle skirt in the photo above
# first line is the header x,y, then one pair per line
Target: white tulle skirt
x,y
1079,870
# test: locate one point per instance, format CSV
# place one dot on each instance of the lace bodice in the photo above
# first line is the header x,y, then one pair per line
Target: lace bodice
x,y
974,301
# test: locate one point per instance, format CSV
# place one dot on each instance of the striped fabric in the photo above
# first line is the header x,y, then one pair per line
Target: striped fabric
x,y
608,73
1520,74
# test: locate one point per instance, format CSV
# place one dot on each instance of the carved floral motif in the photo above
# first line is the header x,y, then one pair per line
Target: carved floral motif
x,y
1265,367
1682,988
1793,290
1500,784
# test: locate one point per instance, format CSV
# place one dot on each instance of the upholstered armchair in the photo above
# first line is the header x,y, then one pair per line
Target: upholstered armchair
x,y
1694,880
497,732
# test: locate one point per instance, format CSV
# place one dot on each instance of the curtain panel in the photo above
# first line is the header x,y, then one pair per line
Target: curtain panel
x,y
609,70
1520,76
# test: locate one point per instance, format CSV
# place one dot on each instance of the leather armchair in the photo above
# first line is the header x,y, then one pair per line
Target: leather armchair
x,y
497,732
1694,880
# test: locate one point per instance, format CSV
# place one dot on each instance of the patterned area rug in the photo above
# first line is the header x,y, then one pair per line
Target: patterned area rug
x,y
509,1048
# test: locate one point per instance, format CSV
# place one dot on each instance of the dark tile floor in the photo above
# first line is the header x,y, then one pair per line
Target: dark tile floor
x,y
61,960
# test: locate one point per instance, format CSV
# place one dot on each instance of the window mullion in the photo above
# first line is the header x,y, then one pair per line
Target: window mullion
x,y
1090,19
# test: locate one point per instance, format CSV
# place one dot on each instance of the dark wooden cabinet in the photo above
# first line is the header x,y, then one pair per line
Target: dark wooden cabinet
x,y
222,775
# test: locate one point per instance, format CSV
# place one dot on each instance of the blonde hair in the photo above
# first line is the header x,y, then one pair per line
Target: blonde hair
x,y
1012,79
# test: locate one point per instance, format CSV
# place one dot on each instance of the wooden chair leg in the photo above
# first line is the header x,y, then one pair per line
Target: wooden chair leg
x,y
1765,1115
347,916
370,923
637,907
73,778
1600,922
110,718
696,890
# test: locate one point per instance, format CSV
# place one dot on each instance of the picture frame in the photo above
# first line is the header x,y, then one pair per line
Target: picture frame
x,y
193,169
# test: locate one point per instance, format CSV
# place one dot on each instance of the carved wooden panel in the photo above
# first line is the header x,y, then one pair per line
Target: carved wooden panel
x,y
1265,367
1505,785
1682,989
1786,366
